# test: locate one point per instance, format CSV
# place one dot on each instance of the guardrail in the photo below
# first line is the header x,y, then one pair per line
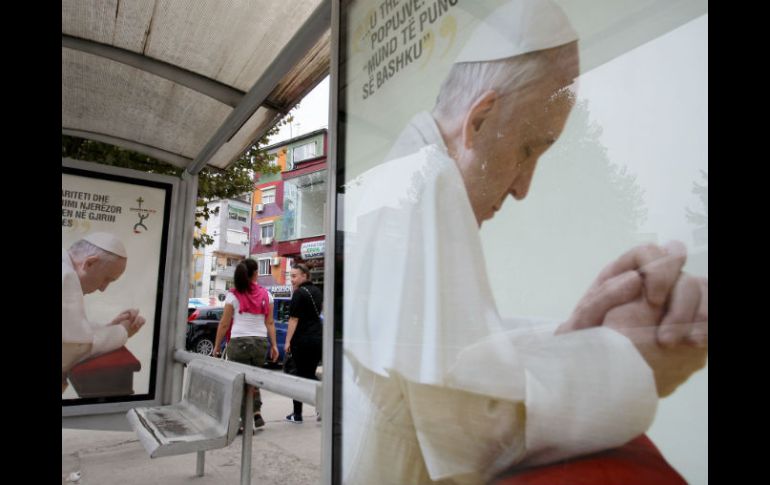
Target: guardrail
x,y
294,387
301,389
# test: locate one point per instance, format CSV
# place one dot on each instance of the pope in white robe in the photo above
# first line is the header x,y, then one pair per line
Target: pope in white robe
x,y
84,272
437,387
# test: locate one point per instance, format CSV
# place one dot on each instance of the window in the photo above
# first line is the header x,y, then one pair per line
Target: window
x,y
264,266
266,230
283,311
268,195
237,237
214,314
238,214
304,152
304,206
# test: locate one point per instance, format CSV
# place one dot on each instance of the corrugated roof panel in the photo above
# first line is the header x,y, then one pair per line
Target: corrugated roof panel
x,y
232,42
132,24
103,96
89,19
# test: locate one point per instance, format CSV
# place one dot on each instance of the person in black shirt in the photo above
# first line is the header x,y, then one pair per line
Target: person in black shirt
x,y
304,335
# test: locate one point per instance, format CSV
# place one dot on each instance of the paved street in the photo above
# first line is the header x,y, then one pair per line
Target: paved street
x,y
282,454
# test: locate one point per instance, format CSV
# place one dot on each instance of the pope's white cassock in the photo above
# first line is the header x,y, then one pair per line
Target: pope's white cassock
x,y
80,337
438,388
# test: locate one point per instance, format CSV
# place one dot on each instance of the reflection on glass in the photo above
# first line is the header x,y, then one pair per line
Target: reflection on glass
x,y
304,206
700,217
445,377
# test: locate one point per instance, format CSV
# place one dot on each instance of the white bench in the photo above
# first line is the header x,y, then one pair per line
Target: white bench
x,y
206,418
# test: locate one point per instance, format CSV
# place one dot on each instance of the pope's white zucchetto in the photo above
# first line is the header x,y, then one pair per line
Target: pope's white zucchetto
x,y
108,242
518,27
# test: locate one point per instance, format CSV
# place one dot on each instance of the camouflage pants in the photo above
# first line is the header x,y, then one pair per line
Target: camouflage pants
x,y
251,351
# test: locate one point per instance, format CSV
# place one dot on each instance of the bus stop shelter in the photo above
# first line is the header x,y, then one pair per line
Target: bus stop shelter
x,y
189,83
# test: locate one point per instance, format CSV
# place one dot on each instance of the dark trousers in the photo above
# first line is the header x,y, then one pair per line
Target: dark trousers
x,y
307,355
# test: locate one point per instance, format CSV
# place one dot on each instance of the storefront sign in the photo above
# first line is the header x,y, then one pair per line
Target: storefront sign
x,y
310,250
280,290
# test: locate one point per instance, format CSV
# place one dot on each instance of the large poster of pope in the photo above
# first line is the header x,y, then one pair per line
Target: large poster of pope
x,y
523,190
114,235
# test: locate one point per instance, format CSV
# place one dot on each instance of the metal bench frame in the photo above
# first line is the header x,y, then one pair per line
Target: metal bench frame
x,y
206,418
304,390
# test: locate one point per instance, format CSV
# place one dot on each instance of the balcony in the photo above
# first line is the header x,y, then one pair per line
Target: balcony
x,y
241,250
223,272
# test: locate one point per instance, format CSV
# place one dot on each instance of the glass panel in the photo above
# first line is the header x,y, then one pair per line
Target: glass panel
x,y
304,206
282,312
507,172
237,237
264,266
304,152
268,196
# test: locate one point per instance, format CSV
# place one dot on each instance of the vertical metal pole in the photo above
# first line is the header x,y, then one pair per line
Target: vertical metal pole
x,y
199,463
330,427
247,420
176,331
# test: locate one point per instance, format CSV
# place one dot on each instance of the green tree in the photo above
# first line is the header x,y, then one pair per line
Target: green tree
x,y
213,183
702,191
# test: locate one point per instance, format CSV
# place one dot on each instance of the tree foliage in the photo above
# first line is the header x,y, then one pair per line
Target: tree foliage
x,y
702,191
213,183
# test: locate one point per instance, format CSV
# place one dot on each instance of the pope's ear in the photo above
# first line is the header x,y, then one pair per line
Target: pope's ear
x,y
90,261
477,115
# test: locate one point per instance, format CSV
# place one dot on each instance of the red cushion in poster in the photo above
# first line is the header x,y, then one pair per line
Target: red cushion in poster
x,y
110,374
636,462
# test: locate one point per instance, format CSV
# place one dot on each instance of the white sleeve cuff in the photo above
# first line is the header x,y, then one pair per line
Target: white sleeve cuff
x,y
599,394
108,338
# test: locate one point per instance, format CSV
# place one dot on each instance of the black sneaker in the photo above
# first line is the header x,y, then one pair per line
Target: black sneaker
x,y
293,418
258,421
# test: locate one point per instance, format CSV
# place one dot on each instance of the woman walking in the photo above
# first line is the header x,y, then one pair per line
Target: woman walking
x,y
249,311
303,337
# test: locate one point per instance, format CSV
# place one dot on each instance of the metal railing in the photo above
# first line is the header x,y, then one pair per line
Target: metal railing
x,y
298,388
287,385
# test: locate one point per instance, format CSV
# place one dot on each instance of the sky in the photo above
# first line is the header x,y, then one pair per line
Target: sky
x,y
311,114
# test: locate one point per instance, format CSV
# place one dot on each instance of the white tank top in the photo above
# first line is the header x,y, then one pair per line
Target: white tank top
x,y
246,324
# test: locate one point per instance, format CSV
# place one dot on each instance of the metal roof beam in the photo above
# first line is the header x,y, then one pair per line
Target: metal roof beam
x,y
306,37
172,158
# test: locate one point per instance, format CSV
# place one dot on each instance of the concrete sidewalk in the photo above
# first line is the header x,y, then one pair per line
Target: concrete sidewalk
x,y
283,453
